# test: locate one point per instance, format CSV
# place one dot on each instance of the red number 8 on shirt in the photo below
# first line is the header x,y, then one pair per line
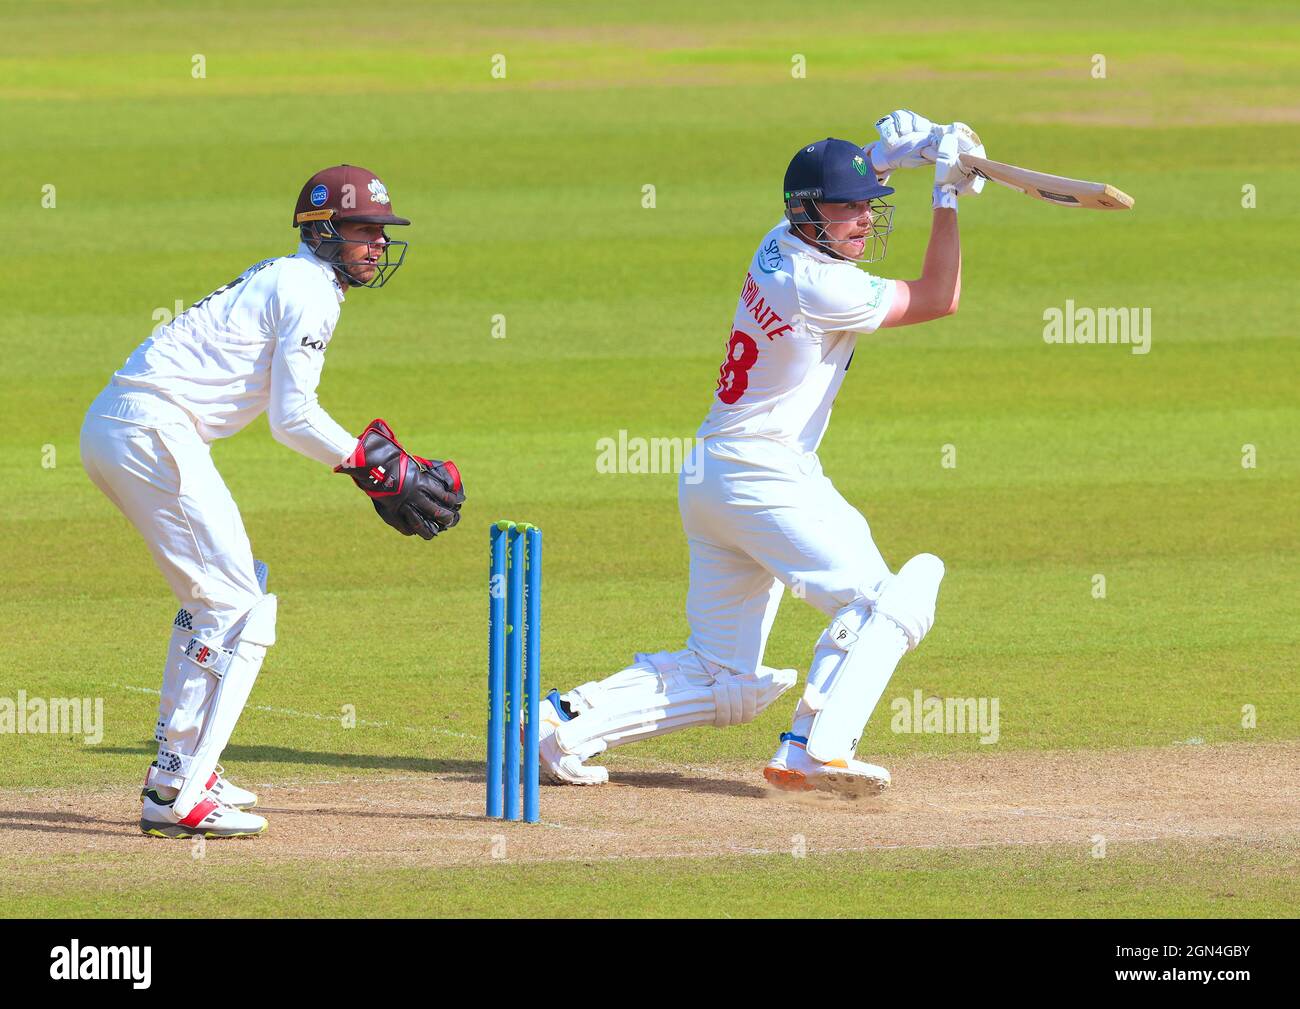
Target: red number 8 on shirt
x,y
733,376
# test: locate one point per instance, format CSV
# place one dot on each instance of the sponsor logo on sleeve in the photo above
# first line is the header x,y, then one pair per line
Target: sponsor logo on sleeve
x,y
769,257
318,342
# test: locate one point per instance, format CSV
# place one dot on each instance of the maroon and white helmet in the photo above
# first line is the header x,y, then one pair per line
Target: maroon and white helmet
x,y
346,193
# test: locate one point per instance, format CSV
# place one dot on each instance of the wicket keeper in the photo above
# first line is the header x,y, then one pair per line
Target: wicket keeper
x,y
255,344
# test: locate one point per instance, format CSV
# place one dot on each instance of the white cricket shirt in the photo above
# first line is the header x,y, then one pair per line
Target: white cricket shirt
x,y
795,329
257,343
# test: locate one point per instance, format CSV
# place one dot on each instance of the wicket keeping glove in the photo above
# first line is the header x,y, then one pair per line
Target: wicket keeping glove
x,y
413,495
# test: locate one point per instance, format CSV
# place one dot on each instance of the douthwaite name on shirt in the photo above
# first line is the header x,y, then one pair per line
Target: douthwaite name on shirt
x,y
762,313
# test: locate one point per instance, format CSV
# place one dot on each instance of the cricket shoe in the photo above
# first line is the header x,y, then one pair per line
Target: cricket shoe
x,y
557,766
210,818
222,788
793,770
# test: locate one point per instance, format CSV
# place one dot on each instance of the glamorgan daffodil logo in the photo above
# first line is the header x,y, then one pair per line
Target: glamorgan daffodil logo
x,y
859,165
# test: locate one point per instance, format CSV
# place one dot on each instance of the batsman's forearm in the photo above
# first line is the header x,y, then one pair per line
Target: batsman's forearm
x,y
941,272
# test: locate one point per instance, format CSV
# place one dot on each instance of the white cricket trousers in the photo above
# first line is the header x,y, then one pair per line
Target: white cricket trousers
x,y
758,517
144,453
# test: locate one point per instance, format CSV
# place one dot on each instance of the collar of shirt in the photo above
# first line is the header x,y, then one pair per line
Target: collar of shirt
x,y
788,236
306,253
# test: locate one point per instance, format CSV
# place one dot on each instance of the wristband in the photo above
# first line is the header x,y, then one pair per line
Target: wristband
x,y
945,198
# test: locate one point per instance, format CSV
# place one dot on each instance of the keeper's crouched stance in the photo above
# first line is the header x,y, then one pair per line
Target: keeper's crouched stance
x,y
758,512
257,343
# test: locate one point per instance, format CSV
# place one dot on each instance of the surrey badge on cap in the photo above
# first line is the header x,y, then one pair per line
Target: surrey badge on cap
x,y
345,193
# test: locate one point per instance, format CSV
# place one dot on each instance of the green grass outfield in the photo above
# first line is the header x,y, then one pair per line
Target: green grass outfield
x,y
1150,881
526,193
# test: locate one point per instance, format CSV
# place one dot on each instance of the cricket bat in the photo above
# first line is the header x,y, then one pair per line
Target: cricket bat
x,y
1051,188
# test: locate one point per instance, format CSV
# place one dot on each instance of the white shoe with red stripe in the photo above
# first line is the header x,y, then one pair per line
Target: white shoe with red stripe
x,y
220,786
210,818
793,770
230,793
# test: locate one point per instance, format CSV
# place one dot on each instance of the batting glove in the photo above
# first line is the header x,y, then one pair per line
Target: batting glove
x,y
904,139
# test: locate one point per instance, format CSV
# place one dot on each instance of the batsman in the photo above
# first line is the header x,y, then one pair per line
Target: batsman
x,y
759,513
254,344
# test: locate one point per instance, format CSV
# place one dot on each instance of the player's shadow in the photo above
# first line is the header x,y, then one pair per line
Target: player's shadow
x,y
244,756
687,783
45,821
368,814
